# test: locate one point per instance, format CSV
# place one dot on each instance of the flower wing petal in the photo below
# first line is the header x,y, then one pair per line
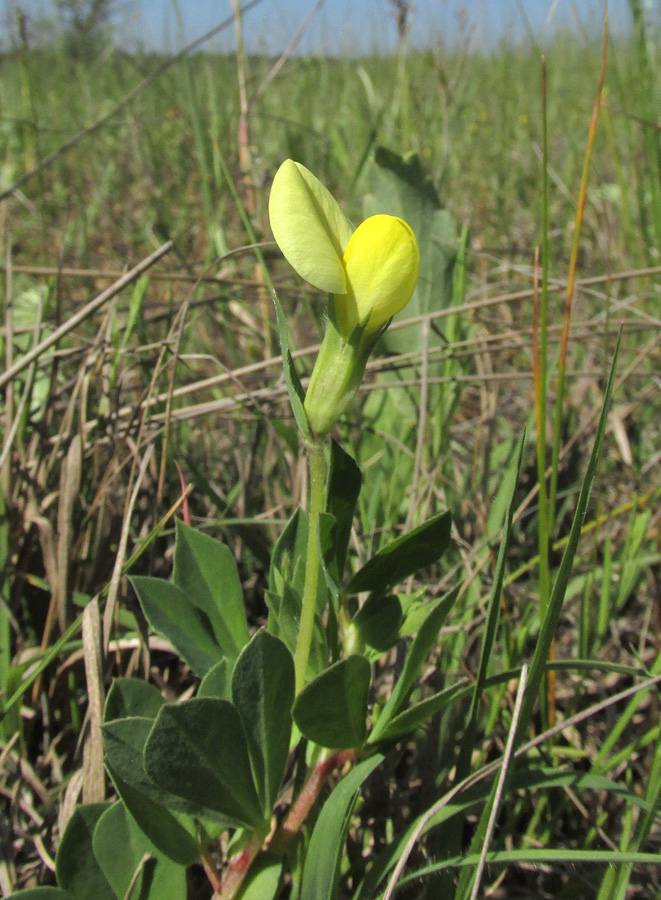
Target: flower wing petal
x,y
309,227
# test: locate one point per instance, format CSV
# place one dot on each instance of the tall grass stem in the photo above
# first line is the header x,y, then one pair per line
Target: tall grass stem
x,y
571,281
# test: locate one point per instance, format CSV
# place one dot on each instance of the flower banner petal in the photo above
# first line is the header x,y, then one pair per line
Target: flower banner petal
x,y
309,227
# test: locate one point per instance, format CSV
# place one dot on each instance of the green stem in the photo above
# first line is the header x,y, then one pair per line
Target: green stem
x,y
315,506
238,867
329,762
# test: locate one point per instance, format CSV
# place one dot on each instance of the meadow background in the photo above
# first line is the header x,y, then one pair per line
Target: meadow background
x,y
180,370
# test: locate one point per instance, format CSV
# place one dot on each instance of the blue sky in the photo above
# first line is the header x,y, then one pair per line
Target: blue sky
x,y
350,25
362,25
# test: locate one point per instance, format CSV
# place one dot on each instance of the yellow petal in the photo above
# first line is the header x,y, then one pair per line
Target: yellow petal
x,y
309,226
381,263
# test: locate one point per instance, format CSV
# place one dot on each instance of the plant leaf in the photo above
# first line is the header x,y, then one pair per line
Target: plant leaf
x,y
453,842
418,653
322,862
167,820
400,186
332,709
292,380
263,688
120,847
570,857
130,697
378,620
289,555
174,834
491,627
170,612
198,751
263,880
124,742
419,713
526,779
205,570
76,866
404,556
344,482
217,682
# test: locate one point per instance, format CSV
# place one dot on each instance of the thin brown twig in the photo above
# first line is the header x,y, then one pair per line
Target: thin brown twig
x,y
276,361
88,310
121,550
168,408
110,274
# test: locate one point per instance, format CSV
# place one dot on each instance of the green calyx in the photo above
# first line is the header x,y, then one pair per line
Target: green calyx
x,y
338,372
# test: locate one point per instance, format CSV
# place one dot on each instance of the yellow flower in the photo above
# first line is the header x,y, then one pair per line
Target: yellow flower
x,y
370,272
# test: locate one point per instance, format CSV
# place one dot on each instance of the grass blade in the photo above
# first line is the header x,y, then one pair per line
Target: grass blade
x,y
547,632
491,629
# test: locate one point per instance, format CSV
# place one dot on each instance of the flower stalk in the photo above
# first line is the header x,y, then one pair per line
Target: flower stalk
x,y
316,457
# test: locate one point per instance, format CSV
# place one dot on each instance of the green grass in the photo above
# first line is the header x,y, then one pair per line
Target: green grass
x,y
199,385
